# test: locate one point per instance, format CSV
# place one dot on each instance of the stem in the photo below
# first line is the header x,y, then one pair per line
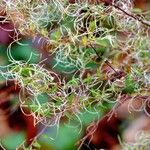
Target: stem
x,y
147,23
106,61
109,2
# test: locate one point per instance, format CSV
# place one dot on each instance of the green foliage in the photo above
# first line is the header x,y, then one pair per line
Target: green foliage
x,y
95,55
13,140
130,85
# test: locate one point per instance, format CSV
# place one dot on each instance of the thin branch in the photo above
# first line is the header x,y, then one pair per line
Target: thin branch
x,y
109,2
106,61
147,23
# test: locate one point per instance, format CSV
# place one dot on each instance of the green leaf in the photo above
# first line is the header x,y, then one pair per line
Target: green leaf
x,y
92,26
145,54
71,98
23,51
56,35
36,145
130,85
109,22
136,10
91,65
27,71
103,42
13,140
68,21
3,55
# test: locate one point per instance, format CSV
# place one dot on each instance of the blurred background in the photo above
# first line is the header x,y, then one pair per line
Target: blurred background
x,y
17,128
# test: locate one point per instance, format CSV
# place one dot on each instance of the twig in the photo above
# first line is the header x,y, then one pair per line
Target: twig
x,y
147,23
106,61
109,2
